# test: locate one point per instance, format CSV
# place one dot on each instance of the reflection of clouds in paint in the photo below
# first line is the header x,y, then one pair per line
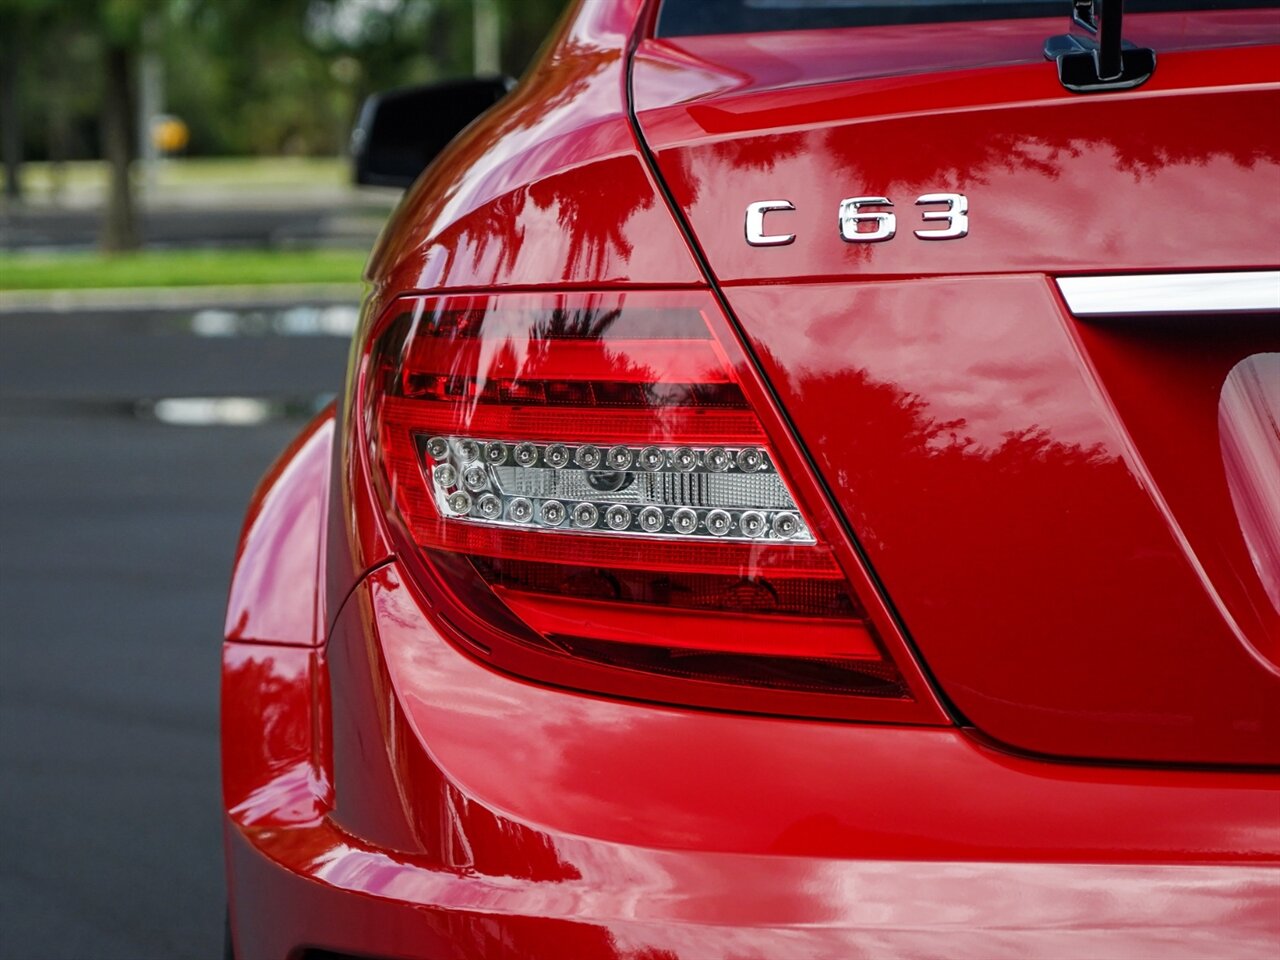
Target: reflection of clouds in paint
x,y
1022,215
1248,414
1012,910
1014,378
987,396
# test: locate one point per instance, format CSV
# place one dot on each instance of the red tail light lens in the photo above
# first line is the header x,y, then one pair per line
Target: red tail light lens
x,y
592,491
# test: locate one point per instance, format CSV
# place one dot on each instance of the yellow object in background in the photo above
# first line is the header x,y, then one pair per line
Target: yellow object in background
x,y
169,134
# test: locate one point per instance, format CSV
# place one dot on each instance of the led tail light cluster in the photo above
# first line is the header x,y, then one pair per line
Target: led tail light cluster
x,y
652,491
589,495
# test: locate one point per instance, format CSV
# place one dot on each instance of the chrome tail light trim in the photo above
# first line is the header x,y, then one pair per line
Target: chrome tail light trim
x,y
1172,293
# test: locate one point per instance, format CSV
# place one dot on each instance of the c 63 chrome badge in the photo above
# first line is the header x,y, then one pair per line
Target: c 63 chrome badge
x,y
858,224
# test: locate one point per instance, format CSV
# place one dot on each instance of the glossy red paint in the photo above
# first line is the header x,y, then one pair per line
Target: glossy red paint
x,y
1056,182
1186,364
277,766
389,795
608,829
1072,593
1015,507
274,596
549,189
702,781
685,70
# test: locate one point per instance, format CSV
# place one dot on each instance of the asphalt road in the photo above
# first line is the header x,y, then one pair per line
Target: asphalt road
x,y
117,531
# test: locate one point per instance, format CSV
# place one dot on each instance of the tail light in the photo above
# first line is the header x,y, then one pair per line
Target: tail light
x,y
592,490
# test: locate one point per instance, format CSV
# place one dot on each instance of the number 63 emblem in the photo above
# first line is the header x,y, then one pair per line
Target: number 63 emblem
x,y
861,225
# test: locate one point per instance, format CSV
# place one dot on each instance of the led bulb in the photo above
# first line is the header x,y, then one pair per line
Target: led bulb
x,y
520,510
617,517
445,475
489,507
438,448
526,454
495,452
684,520
587,456
652,519
467,449
553,513
685,459
556,455
475,477
752,523
716,459
785,525
618,458
460,502
652,458
750,460
718,523
585,515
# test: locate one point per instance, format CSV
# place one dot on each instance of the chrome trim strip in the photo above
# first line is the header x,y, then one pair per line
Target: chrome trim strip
x,y
1171,293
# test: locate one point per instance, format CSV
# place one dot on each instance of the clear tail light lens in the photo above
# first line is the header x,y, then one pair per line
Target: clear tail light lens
x,y
590,490
652,491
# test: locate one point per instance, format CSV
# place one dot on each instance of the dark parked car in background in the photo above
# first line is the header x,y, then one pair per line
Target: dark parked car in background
x,y
807,485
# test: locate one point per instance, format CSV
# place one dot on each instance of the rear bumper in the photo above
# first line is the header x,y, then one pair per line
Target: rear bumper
x,y
388,796
343,896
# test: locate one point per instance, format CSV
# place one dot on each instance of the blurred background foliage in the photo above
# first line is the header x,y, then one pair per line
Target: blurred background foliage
x,y
95,79
247,77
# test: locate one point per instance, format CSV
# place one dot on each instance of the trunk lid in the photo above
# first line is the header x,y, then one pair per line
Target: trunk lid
x,y
1075,517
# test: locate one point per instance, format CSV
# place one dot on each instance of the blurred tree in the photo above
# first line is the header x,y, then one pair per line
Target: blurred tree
x,y
289,76
247,76
120,25
10,110
36,24
525,26
21,23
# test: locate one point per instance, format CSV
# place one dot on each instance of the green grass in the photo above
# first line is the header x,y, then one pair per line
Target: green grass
x,y
214,172
258,171
178,268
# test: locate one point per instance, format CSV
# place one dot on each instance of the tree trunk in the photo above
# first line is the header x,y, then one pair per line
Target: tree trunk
x,y
10,112
60,87
120,226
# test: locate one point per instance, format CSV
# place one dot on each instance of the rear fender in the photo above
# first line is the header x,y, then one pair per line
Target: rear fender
x,y
275,595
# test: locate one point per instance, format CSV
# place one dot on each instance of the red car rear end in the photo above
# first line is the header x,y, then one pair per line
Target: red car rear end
x,y
810,491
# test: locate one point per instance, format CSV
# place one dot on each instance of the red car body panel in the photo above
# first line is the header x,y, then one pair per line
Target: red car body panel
x,y
976,435
1094,451
678,70
282,546
388,795
494,817
1057,183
